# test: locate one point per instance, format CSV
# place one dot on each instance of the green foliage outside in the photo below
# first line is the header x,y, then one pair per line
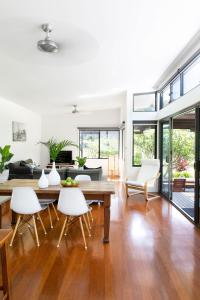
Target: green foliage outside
x,y
5,156
55,147
144,145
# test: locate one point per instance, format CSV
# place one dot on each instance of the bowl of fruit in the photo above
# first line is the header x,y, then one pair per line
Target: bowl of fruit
x,y
69,182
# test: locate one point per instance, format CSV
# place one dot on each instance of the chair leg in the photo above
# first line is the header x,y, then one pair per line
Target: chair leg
x,y
91,216
36,233
39,217
15,230
50,218
62,231
55,211
126,190
83,233
86,224
67,226
88,219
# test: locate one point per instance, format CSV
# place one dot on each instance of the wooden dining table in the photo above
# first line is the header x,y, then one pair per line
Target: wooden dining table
x,y
93,190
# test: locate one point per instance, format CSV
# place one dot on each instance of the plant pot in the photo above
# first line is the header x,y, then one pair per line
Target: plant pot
x,y
54,177
43,181
4,176
81,168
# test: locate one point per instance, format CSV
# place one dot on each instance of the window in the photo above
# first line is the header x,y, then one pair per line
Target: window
x,y
144,141
191,76
144,102
186,78
165,96
98,143
176,88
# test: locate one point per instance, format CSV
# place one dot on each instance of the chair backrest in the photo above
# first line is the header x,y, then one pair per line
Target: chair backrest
x,y
149,170
83,178
24,201
72,202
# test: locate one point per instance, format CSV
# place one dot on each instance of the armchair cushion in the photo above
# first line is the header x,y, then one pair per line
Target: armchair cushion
x,y
136,183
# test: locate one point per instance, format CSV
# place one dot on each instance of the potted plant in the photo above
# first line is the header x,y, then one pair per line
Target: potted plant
x,y
5,156
54,148
81,161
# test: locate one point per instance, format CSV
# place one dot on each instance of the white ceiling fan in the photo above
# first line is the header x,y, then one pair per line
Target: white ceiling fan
x,y
75,110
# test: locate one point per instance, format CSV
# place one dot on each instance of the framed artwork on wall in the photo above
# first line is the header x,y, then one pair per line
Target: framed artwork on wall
x,y
18,131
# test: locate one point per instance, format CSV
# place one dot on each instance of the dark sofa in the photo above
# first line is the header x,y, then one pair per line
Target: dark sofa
x,y
25,170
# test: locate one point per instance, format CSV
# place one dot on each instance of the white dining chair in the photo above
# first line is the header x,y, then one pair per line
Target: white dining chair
x,y
86,178
24,201
72,203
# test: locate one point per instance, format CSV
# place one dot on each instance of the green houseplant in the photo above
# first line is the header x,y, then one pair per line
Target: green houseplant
x,y
5,157
81,161
54,148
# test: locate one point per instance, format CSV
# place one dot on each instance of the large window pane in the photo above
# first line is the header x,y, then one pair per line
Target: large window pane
x,y
191,77
165,96
176,89
99,143
144,102
144,142
109,143
89,144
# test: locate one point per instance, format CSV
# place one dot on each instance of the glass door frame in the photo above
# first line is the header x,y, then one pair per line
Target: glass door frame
x,y
196,220
165,121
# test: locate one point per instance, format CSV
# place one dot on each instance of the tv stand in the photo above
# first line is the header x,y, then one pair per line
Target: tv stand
x,y
60,165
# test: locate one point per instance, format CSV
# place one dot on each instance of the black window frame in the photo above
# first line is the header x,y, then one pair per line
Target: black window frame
x,y
179,72
153,122
147,93
99,139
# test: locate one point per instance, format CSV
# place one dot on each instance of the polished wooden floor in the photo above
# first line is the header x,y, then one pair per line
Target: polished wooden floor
x,y
154,253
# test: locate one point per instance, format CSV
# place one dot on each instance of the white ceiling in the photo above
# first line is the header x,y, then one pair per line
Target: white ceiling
x,y
106,47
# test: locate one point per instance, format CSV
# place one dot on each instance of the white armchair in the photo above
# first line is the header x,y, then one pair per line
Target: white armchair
x,y
146,177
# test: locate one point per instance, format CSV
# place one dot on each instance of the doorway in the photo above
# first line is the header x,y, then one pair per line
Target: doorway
x,y
179,156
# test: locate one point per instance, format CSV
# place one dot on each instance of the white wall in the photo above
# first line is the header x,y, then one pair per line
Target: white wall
x,y
65,127
22,150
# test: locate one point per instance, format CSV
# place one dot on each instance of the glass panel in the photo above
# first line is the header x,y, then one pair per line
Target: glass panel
x,y
165,158
183,158
109,143
89,144
166,96
176,89
144,102
191,77
144,137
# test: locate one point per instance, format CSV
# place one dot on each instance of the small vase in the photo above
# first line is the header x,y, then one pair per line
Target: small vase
x,y
43,181
4,176
54,177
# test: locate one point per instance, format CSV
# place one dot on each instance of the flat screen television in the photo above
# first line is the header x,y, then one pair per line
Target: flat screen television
x,y
64,157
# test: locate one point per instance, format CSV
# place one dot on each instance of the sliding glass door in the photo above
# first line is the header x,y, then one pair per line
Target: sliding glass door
x,y
183,162
165,158
180,161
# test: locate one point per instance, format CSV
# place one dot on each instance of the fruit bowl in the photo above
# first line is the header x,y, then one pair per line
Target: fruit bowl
x,y
66,184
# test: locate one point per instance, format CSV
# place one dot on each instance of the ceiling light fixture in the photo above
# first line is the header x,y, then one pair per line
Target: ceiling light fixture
x,y
47,45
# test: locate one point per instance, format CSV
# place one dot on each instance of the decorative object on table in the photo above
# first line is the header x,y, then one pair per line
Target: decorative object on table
x,y
18,131
81,161
69,182
5,156
54,149
43,181
54,177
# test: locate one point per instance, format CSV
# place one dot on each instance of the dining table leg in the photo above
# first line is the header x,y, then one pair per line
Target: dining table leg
x,y
106,218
